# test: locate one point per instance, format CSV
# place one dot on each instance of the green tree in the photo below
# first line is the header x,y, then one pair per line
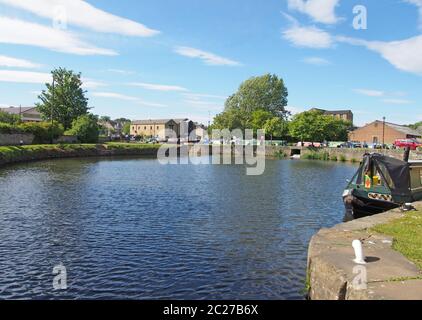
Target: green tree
x,y
276,127
314,126
266,92
66,100
6,117
126,128
231,119
105,119
259,118
85,128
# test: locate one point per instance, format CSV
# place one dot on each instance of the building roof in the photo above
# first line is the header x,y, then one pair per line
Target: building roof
x,y
152,121
332,111
406,130
20,110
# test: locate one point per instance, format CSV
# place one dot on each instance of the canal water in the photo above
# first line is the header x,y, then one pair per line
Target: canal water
x,y
134,229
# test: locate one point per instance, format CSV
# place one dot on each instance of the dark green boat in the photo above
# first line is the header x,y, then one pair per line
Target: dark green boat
x,y
383,183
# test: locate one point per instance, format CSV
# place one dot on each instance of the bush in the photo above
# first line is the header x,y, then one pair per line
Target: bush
x,y
333,158
85,128
42,131
343,158
8,128
6,117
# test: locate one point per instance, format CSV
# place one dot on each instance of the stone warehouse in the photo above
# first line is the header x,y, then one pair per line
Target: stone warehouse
x,y
159,128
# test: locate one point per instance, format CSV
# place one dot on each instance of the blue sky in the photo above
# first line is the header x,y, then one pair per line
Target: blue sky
x,y
160,59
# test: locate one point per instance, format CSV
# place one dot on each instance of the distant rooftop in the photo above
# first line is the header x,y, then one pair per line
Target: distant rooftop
x,y
19,110
403,129
157,121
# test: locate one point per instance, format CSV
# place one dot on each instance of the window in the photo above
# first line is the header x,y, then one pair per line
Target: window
x,y
386,178
158,128
151,127
145,127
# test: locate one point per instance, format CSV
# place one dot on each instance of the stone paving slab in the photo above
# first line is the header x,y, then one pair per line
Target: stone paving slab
x,y
333,275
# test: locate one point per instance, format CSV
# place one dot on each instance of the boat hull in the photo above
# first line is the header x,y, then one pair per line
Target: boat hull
x,y
359,207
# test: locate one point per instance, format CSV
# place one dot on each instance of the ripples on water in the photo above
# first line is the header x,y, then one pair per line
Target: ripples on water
x,y
133,229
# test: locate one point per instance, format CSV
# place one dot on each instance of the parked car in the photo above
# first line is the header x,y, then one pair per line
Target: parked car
x,y
310,144
404,143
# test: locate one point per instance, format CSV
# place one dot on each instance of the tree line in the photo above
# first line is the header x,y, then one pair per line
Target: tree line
x,y
260,103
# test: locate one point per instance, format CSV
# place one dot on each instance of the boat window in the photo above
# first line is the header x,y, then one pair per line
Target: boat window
x,y
385,176
360,175
416,178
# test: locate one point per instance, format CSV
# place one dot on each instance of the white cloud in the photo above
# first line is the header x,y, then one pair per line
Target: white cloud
x,y
113,95
317,61
6,61
157,87
13,76
322,11
120,71
370,92
207,57
92,84
306,36
397,101
118,96
417,3
82,14
24,77
405,54
15,31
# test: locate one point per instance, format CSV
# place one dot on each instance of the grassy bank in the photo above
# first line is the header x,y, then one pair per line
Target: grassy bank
x,y
12,154
407,234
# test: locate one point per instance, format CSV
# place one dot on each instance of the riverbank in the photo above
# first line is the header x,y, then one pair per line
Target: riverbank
x,y
392,245
17,154
333,154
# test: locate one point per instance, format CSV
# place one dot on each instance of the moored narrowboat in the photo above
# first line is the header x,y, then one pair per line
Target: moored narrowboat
x,y
382,183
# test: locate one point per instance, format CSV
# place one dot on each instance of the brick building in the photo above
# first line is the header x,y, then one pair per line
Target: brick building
x,y
375,131
346,115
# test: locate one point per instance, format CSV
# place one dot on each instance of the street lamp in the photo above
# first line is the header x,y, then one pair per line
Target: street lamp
x,y
383,132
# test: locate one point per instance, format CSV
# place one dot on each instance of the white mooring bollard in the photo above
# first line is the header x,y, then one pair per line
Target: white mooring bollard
x,y
359,257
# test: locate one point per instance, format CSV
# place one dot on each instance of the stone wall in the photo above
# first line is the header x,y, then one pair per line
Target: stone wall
x,y
333,275
15,139
74,151
348,154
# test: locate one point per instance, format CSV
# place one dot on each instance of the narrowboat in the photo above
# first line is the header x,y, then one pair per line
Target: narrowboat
x,y
382,183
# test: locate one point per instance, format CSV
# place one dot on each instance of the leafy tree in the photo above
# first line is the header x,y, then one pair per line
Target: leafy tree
x,y
276,127
85,128
66,100
266,92
314,126
6,117
105,119
126,128
231,119
259,118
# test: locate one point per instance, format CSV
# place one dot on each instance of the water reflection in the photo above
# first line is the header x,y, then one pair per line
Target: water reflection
x,y
130,228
